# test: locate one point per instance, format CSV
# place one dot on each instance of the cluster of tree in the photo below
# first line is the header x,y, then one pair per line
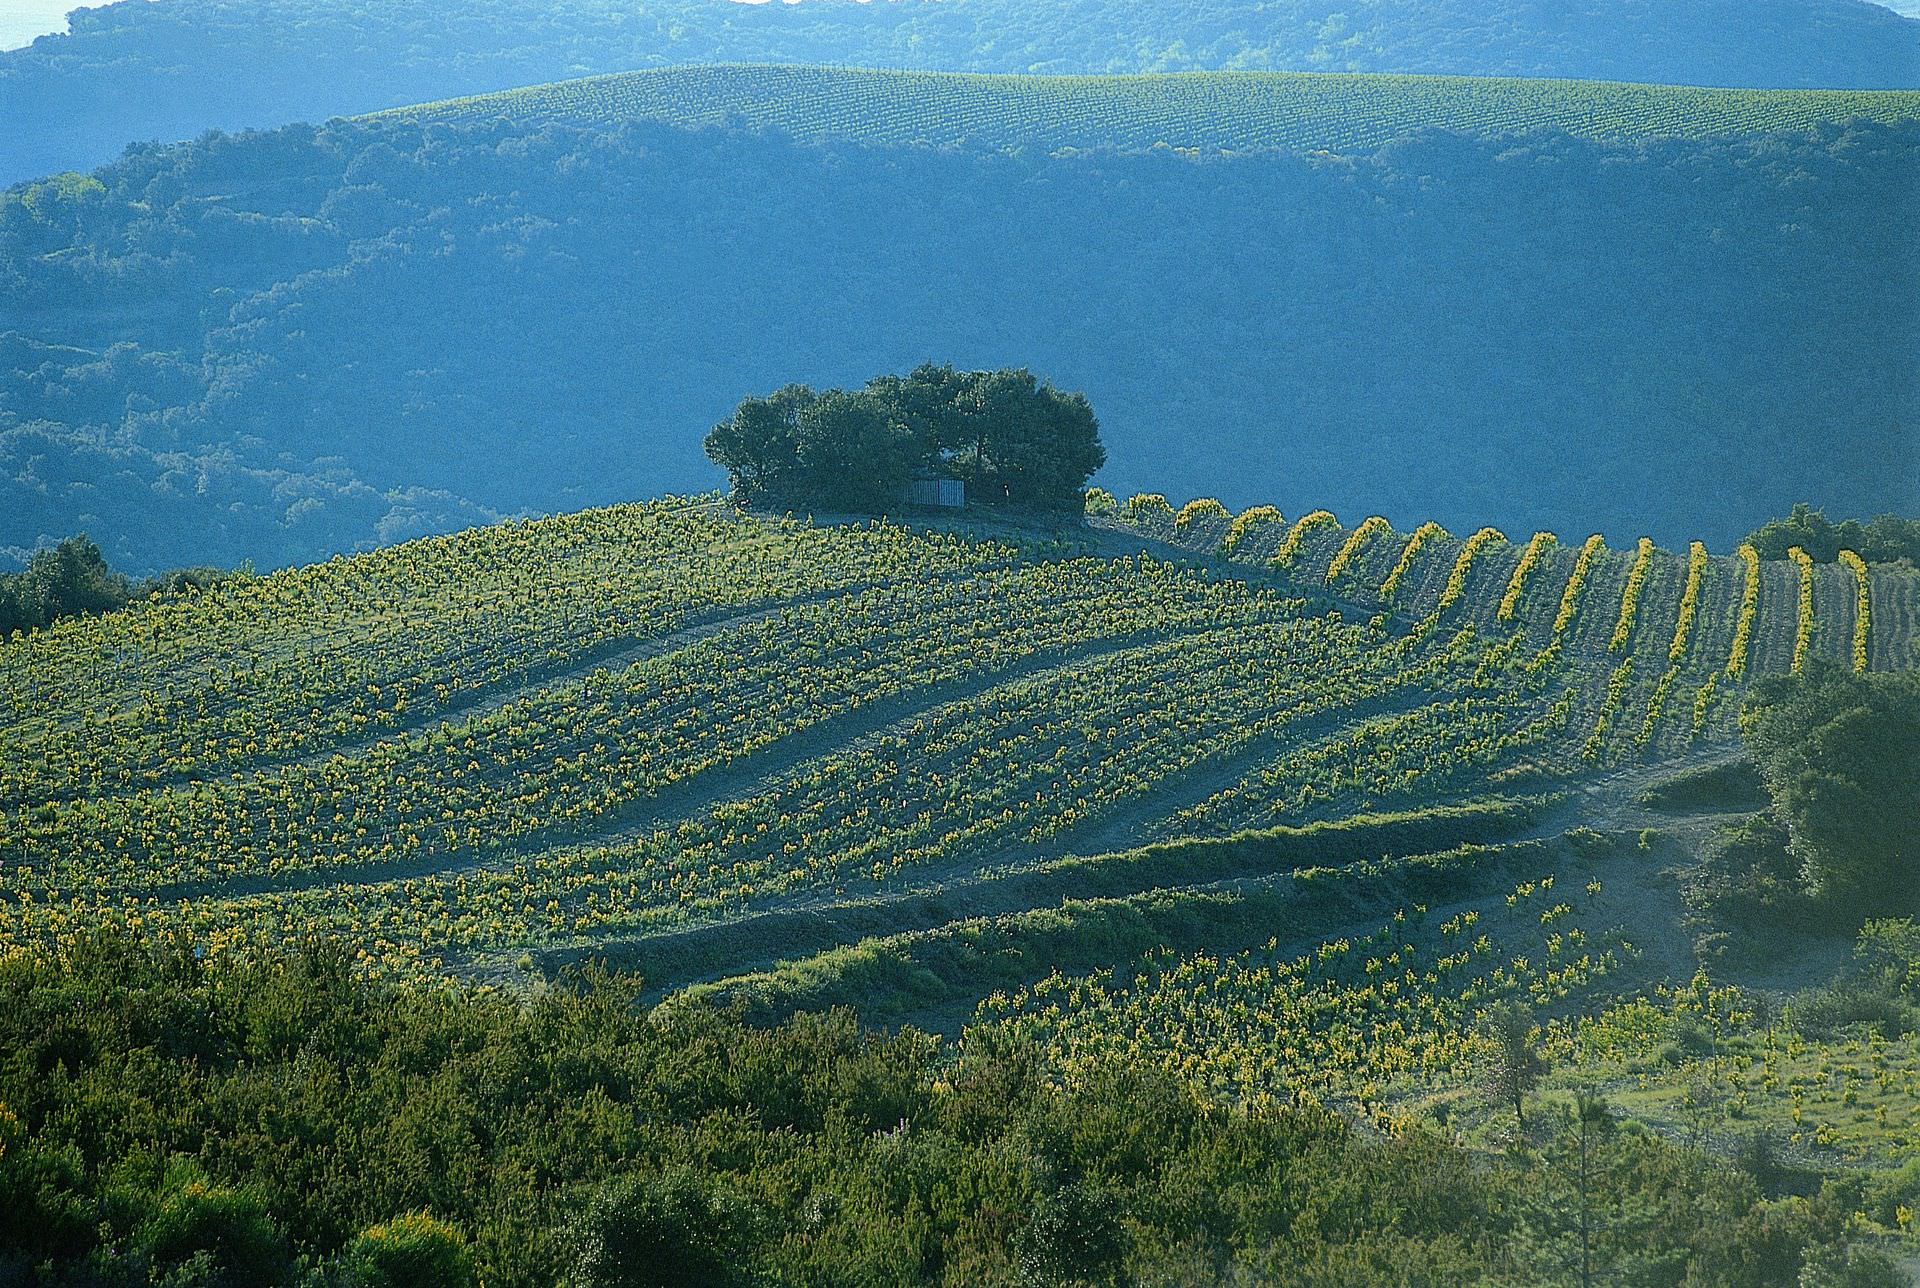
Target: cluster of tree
x,y
138,72
283,345
167,1119
1009,438
1886,539
72,579
1836,751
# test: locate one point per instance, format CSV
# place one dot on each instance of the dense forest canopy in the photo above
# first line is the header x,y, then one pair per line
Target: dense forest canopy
x,y
173,69
1838,753
275,346
1010,439
169,1120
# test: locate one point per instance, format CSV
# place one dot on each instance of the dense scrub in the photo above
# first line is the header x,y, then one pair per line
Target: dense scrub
x,y
172,1120
1838,752
282,345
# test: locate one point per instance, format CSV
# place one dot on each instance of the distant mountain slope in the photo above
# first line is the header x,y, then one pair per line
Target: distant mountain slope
x,y
282,345
173,69
1233,111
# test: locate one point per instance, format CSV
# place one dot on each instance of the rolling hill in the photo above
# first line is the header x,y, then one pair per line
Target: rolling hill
x,y
174,69
1228,111
1259,825
657,721
279,346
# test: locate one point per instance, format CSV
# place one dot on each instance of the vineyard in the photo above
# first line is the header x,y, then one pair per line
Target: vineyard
x,y
1279,805
1228,111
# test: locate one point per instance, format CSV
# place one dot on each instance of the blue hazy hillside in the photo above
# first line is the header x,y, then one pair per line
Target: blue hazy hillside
x,y
280,345
172,69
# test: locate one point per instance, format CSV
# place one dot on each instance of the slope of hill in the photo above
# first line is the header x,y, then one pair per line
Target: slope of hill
x,y
596,729
176,68
1272,817
1233,111
274,347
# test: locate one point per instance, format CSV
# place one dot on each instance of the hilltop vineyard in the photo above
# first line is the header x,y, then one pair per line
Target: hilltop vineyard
x,y
615,724
1217,111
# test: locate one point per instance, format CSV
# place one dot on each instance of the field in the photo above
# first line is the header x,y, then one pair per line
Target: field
x,y
1184,790
1215,111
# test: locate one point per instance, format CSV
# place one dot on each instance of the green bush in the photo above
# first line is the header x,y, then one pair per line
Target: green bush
x,y
217,1234
1074,1237
677,1228
412,1251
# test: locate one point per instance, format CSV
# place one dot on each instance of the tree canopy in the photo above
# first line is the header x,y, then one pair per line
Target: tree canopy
x,y
1838,751
72,579
1012,439
1885,539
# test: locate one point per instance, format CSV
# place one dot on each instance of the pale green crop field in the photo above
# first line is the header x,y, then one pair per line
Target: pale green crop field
x,y
1216,111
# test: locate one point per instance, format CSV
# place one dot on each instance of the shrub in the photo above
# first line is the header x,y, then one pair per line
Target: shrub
x,y
1074,1236
227,1232
412,1251
671,1229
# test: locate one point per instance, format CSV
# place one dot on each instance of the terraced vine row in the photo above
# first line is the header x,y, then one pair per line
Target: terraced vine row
x,y
1422,535
1350,549
1023,763
1356,1022
612,723
1537,546
1749,610
1245,523
1290,548
1803,629
207,684
1862,606
1630,597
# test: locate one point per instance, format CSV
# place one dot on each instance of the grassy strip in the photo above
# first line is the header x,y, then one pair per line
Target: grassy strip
x,y
1107,909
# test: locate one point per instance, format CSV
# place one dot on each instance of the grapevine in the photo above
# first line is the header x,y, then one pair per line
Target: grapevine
x,y
1703,702
1290,548
1689,602
1199,508
1617,685
1463,564
1234,112
1630,597
1517,584
1373,527
1569,603
1148,505
1803,629
1423,534
1244,524
1862,607
1749,609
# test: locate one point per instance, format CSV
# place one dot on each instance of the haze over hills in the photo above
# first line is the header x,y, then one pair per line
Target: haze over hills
x,y
277,346
173,69
605,688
